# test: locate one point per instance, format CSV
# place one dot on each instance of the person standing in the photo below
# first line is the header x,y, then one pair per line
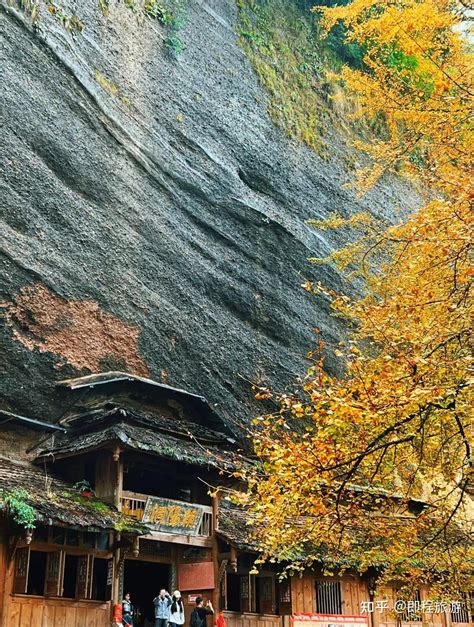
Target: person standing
x,y
200,613
127,611
162,608
177,617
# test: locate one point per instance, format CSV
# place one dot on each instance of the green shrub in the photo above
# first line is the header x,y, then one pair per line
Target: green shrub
x,y
281,41
20,511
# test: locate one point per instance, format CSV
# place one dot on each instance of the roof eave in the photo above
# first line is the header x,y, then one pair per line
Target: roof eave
x,y
240,546
115,376
31,423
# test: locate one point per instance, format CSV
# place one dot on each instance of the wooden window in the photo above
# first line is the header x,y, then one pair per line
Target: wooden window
x,y
72,537
88,539
463,615
100,569
151,547
241,593
284,598
37,573
57,574
103,541
233,597
70,576
84,577
248,593
41,533
22,561
328,597
223,588
88,577
58,535
109,579
409,616
265,595
245,594
54,574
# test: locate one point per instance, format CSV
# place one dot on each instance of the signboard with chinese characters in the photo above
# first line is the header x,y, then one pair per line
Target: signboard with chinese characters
x,y
328,620
171,516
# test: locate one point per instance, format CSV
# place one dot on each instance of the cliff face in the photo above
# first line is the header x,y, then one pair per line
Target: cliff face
x,y
153,215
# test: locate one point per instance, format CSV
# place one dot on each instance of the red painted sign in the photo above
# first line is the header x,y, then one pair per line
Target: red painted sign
x,y
328,620
197,576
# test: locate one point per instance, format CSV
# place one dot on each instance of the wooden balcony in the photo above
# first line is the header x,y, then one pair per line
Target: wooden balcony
x,y
176,518
133,504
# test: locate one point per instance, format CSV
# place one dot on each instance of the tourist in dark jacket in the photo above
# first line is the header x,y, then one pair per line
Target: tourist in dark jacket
x,y
200,613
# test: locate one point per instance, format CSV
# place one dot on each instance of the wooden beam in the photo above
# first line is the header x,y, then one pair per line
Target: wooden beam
x,y
179,539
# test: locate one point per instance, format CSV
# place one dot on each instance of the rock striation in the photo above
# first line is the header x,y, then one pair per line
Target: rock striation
x,y
153,216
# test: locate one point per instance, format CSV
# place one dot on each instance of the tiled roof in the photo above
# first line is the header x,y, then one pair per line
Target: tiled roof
x,y
159,435
234,528
56,501
159,419
110,382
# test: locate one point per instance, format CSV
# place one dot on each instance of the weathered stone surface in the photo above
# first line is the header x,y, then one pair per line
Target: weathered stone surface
x,y
151,203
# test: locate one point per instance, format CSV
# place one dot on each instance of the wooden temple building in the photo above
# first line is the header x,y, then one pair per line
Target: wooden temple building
x,y
119,489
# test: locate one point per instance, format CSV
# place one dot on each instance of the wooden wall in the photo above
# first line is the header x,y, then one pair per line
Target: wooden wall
x,y
387,619
39,612
29,611
303,594
3,572
353,593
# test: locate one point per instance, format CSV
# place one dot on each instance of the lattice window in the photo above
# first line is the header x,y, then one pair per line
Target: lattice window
x,y
285,591
328,597
462,614
151,547
412,613
284,598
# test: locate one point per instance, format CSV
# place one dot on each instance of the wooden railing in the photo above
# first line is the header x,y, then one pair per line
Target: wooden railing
x,y
205,528
133,504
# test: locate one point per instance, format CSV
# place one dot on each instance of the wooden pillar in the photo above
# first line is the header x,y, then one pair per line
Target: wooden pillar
x,y
117,457
215,513
117,567
109,476
234,559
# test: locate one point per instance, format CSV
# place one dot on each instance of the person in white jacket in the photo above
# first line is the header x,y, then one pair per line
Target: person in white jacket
x,y
177,617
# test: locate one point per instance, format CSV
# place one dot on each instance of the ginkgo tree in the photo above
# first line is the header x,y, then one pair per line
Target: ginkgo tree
x,y
374,469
